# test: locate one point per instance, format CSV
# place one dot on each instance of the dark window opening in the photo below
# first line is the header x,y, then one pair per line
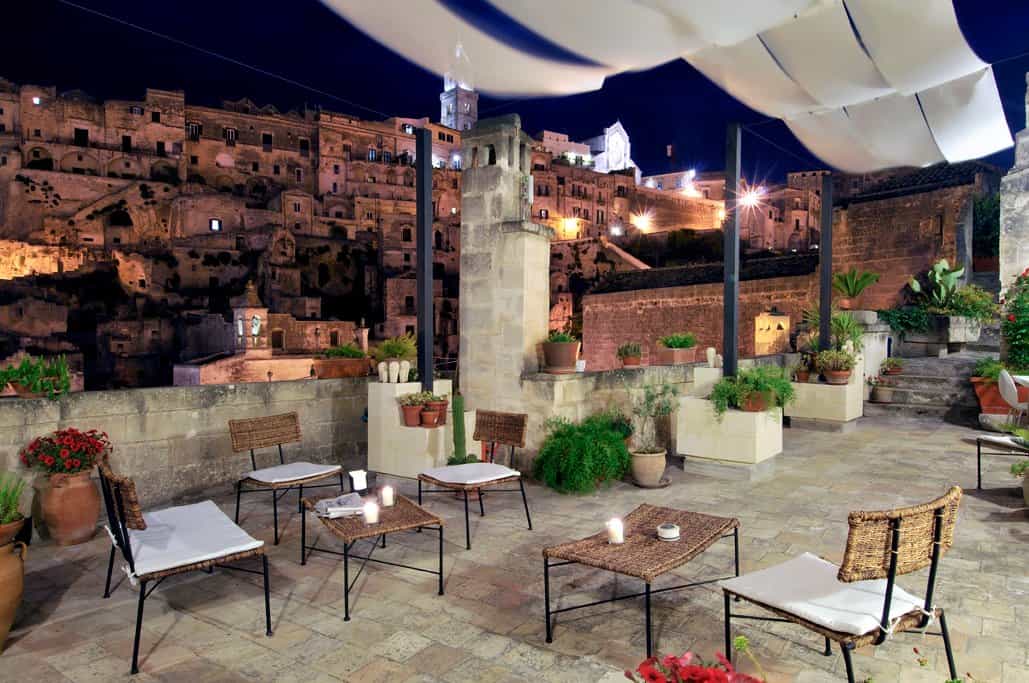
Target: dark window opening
x,y
155,116
82,137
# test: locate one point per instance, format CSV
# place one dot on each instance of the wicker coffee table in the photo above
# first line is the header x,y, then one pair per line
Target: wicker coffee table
x,y
403,516
643,555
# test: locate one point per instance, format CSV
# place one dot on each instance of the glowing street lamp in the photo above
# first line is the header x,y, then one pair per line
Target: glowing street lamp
x,y
641,221
750,199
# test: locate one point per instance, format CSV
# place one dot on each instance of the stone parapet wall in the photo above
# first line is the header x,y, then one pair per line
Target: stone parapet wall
x,y
174,441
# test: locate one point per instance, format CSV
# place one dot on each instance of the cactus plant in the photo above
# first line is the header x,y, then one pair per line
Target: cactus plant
x,y
461,454
943,280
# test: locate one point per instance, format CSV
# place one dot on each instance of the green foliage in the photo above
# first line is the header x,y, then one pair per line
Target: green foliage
x,y
11,486
988,369
834,360
657,401
986,225
891,363
731,392
678,340
843,328
461,454
630,350
39,375
558,337
418,398
942,282
906,319
403,347
574,458
618,421
1014,325
344,351
852,282
971,302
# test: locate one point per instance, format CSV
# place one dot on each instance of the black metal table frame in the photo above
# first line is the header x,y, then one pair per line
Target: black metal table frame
x,y
979,453
346,555
547,565
482,509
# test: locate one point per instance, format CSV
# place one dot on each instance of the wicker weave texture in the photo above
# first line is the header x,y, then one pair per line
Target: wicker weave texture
x,y
401,516
291,483
643,555
262,432
507,429
455,486
126,488
224,559
867,555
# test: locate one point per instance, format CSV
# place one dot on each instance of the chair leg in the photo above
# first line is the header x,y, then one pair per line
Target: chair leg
x,y
139,626
946,645
441,559
978,464
847,647
482,510
728,627
341,485
467,524
239,490
300,499
267,598
275,515
110,569
303,537
525,502
346,581
828,648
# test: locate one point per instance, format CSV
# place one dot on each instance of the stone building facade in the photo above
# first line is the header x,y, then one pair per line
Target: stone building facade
x,y
1014,208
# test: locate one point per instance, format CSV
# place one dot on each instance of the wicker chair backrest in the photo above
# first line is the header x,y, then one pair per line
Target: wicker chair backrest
x,y
507,429
870,541
123,488
261,432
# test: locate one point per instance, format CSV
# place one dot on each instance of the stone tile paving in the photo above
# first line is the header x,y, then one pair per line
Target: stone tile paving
x,y
489,626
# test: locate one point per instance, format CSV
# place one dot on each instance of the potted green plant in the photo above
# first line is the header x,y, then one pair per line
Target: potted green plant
x,y
882,389
891,366
560,351
441,405
336,362
677,348
956,311
460,456
648,457
1014,326
621,423
984,382
38,377
752,390
835,366
576,458
630,354
411,407
11,519
850,284
12,555
393,356
431,410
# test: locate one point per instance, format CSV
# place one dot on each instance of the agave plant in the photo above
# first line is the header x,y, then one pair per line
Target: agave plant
x,y
852,282
944,282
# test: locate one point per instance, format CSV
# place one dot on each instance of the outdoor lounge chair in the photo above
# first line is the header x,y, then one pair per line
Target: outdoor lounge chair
x,y
859,602
276,430
1009,392
492,428
1001,444
175,540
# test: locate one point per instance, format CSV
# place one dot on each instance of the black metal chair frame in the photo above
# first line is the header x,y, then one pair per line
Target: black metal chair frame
x,y
276,495
348,584
119,530
979,453
647,592
884,621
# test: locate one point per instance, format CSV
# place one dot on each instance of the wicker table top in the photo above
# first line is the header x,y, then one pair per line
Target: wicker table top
x,y
402,516
643,555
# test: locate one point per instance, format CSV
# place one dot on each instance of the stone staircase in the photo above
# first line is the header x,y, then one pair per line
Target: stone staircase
x,y
934,387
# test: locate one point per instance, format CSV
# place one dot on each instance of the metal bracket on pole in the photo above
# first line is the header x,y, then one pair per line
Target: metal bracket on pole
x,y
825,267
731,252
423,256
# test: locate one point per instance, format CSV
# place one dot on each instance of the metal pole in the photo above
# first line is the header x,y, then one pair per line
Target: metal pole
x,y
423,256
825,270
731,255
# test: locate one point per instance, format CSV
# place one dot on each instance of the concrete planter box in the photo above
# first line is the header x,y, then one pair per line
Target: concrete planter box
x,y
666,356
946,334
827,402
739,437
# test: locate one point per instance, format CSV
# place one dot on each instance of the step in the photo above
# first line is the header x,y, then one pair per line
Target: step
x,y
940,367
907,380
962,415
921,397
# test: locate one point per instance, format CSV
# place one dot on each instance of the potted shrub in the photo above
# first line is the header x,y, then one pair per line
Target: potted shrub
x,y
38,377
620,422
984,381
630,354
850,284
430,410
395,353
957,312
69,499
882,390
576,458
440,404
560,351
11,520
891,366
752,390
835,365
648,458
411,407
341,361
677,348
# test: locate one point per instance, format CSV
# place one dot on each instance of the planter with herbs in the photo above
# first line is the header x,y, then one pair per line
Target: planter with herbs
x,y
630,353
560,352
341,361
836,366
38,377
676,349
955,312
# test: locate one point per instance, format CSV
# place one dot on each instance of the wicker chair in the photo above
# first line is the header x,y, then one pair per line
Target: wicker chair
x,y
859,602
492,428
176,540
276,430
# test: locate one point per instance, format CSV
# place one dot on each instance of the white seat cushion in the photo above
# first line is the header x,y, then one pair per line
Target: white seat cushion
x,y
807,587
471,473
291,471
186,534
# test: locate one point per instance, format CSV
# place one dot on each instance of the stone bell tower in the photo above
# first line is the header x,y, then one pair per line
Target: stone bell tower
x,y
250,324
505,266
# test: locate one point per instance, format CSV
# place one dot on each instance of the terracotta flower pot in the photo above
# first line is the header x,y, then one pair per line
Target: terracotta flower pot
x,y
630,361
892,371
12,584
803,376
990,400
648,468
756,402
441,408
837,377
10,530
666,356
430,418
844,303
71,506
412,415
23,392
336,368
560,357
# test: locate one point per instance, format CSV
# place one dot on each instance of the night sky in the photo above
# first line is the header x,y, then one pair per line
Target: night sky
x,y
51,43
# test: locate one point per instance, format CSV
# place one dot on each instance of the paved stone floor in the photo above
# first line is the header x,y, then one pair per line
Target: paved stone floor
x,y
489,625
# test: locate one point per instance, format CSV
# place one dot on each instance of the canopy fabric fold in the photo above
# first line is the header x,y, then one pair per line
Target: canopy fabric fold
x,y
966,116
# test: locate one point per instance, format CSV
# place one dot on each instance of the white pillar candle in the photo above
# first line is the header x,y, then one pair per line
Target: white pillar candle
x,y
615,531
359,478
371,513
387,496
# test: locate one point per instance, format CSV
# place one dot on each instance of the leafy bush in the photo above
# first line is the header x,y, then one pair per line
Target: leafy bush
x,y
344,351
557,337
679,340
906,319
1015,323
574,458
843,328
971,302
416,399
731,392
11,486
832,360
852,282
630,350
617,420
403,347
39,375
657,401
891,363
939,286
988,369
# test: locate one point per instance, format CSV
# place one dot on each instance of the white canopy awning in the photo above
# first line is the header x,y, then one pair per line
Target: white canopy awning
x,y
864,84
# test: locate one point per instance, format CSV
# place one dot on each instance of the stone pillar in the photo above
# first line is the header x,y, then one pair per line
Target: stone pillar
x,y
505,266
1014,210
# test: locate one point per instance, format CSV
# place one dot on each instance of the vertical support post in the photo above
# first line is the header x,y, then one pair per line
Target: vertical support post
x,y
731,252
423,256
825,267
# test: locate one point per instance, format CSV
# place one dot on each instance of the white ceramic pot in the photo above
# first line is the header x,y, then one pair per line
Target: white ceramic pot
x,y
405,370
383,372
394,371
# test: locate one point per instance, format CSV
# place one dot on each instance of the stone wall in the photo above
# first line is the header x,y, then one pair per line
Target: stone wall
x,y
174,441
1014,209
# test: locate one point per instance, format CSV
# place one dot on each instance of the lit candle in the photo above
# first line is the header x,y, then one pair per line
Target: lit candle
x,y
371,513
615,531
387,496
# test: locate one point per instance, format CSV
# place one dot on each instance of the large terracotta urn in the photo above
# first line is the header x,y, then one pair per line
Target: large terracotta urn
x,y
12,583
70,504
648,468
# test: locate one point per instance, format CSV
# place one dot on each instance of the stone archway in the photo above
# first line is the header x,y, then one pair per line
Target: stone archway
x,y
164,172
81,163
39,159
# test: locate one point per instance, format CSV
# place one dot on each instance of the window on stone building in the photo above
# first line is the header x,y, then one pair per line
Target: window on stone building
x,y
372,154
600,216
335,169
409,329
335,188
409,305
305,147
3,127
338,214
194,130
215,224
194,160
407,258
116,240
387,157
37,133
81,137
560,180
230,135
346,152
299,175
176,148
127,164
3,160
275,169
266,141
155,116
405,234
160,148
438,240
369,215
407,128
544,213
1,111
796,224
441,136
450,138
142,283
296,207
136,110
255,167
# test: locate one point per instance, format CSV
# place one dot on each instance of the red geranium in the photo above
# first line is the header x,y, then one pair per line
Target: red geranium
x,y
66,451
691,669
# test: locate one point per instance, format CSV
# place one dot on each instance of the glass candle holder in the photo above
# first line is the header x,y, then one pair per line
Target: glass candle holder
x,y
388,497
615,531
371,513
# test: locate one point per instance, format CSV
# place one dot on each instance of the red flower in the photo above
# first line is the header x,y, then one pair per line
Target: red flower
x,y
651,674
1011,317
65,453
76,463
